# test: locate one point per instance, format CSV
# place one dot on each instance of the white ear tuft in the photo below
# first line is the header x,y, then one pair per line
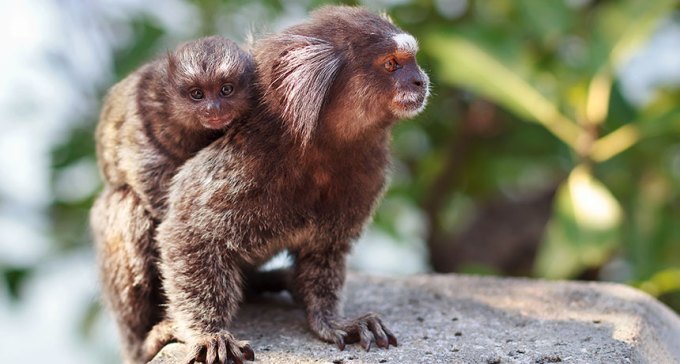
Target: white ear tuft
x,y
301,78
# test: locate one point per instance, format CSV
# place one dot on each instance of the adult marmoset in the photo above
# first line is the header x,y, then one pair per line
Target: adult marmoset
x,y
303,172
151,123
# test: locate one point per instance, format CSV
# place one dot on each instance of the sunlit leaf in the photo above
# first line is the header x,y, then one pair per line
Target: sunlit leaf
x,y
464,64
664,282
628,135
584,229
597,104
632,34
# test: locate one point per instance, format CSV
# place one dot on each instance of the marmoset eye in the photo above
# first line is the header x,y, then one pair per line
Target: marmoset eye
x,y
391,65
196,94
226,90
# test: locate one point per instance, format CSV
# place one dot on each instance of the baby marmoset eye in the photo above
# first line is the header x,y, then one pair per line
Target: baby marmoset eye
x,y
196,93
226,90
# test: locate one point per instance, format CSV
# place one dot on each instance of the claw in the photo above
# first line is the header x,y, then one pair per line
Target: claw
x,y
380,337
392,340
219,348
390,336
236,353
365,331
340,342
366,345
248,352
365,336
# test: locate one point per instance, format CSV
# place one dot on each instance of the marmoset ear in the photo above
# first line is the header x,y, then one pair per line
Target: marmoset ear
x,y
297,73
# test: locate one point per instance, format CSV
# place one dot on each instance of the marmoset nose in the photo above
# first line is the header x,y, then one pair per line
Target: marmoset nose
x,y
420,79
421,82
213,106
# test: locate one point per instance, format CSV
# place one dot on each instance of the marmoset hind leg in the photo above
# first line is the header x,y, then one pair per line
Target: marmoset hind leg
x,y
123,233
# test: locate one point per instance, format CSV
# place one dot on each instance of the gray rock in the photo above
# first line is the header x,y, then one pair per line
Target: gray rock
x,y
464,319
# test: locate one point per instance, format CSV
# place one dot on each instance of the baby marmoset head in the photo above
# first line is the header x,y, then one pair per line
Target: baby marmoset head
x,y
210,82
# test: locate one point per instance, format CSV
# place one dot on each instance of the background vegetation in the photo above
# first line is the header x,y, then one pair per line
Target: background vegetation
x,y
530,159
527,153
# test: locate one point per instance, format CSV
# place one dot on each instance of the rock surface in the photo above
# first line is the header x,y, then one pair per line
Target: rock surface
x,y
465,319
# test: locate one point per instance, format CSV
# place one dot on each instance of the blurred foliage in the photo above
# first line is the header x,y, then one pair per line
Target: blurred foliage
x,y
13,277
526,99
555,65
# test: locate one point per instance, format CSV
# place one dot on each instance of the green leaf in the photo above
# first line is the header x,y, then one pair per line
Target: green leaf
x,y
584,228
616,28
663,282
89,318
14,278
79,144
147,36
547,19
628,135
630,23
463,63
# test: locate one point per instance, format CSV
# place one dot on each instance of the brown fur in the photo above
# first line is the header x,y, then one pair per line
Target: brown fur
x,y
301,173
149,126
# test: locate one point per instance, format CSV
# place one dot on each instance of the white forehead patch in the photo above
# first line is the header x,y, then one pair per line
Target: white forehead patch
x,y
406,42
229,64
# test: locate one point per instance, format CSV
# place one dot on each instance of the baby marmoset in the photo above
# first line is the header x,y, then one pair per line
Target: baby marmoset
x,y
162,114
151,123
303,172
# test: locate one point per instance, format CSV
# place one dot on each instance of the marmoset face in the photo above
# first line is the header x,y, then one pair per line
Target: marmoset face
x,y
212,82
410,85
